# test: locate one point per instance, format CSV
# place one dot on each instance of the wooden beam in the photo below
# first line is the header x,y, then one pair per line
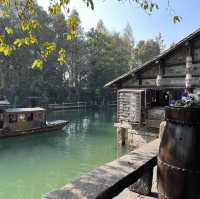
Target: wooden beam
x,y
109,180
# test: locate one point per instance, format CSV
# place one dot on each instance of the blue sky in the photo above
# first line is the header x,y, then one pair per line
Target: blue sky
x,y
116,15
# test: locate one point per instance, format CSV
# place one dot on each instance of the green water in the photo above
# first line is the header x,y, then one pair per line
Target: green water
x,y
35,164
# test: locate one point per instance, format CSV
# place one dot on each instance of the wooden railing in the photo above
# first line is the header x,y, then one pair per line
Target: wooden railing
x,y
109,180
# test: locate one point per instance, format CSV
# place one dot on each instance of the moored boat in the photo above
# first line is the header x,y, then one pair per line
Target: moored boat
x,y
22,121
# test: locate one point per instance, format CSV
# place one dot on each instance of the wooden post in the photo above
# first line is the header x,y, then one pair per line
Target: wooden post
x,y
188,78
121,136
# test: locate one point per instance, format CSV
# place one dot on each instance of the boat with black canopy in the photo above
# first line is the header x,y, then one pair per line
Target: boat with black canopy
x,y
22,121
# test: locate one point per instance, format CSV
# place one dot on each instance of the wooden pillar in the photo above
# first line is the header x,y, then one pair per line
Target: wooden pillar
x,y
121,136
188,78
188,71
159,77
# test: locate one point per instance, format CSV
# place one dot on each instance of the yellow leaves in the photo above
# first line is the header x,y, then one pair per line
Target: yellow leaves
x,y
25,26
38,63
49,47
32,40
18,42
35,24
30,6
27,41
54,9
4,13
6,49
72,35
72,24
2,39
62,56
28,26
4,2
9,30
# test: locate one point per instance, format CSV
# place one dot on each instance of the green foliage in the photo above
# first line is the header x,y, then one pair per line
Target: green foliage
x,y
41,64
26,13
177,19
9,30
188,104
146,50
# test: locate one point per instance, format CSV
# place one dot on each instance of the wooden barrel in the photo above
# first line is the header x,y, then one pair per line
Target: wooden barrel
x,y
179,155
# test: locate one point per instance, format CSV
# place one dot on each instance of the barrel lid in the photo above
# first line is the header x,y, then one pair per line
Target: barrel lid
x,y
183,115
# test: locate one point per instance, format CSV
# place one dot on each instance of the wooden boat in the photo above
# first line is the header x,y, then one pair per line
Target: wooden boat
x,y
23,121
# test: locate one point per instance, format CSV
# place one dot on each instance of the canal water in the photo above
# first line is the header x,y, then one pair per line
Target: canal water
x,y
35,164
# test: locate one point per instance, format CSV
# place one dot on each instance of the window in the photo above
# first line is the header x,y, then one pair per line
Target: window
x,y
21,117
12,118
29,116
40,116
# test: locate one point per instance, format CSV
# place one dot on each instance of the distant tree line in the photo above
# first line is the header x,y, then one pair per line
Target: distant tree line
x,y
92,59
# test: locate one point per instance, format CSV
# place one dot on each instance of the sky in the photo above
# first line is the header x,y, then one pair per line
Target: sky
x,y
116,15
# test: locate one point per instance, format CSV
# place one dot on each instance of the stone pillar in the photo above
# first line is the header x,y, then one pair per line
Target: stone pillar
x,y
138,138
188,78
121,136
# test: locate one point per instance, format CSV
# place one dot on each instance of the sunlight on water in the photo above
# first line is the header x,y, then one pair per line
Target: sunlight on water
x,y
33,165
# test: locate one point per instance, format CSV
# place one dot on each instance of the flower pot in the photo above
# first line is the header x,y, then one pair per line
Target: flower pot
x,y
179,154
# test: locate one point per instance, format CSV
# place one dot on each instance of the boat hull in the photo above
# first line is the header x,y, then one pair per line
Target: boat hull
x,y
50,126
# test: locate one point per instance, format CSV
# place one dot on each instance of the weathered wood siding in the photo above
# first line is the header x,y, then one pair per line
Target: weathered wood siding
x,y
131,83
150,71
177,57
148,83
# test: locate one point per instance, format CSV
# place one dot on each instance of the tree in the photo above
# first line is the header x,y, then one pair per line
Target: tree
x,y
109,56
25,10
146,50
129,42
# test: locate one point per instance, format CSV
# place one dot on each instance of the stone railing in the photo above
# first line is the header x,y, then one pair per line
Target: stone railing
x,y
109,180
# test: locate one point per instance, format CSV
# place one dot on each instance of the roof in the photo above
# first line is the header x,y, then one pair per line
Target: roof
x,y
18,110
155,59
4,102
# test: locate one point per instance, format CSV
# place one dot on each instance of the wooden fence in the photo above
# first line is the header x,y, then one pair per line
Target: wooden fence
x,y
67,106
78,105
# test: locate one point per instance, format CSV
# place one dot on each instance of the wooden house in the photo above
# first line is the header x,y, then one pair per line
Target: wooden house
x,y
143,92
